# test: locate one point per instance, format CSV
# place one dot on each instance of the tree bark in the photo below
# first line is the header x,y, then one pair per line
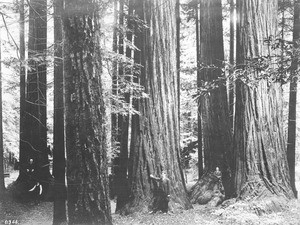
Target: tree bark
x,y
259,143
36,99
22,144
87,177
155,132
213,106
59,163
291,142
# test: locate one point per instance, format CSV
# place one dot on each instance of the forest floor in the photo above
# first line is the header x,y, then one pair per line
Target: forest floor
x,y
32,213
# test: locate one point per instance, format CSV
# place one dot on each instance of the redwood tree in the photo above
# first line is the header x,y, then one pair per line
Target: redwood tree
x,y
22,144
125,74
87,181
259,143
291,142
155,132
213,106
36,98
231,86
59,210
200,144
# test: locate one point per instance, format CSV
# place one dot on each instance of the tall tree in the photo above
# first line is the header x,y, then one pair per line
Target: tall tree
x,y
2,185
126,77
36,96
259,143
155,132
59,210
177,10
231,61
87,177
114,119
200,144
22,144
213,106
291,142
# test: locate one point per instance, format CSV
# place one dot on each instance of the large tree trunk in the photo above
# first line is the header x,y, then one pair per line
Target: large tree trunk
x,y
36,101
155,132
291,142
87,178
259,143
59,210
213,106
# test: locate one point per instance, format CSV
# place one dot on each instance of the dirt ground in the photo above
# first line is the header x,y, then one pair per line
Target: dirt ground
x,y
41,213
12,212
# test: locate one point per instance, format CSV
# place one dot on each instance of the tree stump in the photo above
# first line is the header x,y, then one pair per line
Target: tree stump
x,y
208,190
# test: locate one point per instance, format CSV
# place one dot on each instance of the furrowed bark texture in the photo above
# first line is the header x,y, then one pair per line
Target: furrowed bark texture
x,y
259,142
155,132
213,106
87,181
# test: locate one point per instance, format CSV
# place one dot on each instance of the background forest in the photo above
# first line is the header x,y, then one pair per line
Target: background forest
x,y
103,95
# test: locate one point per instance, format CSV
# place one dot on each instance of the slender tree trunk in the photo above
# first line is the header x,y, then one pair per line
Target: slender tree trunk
x,y
87,177
259,143
114,105
2,185
213,106
114,119
200,151
155,141
291,142
124,119
177,10
120,161
231,61
36,104
59,210
22,144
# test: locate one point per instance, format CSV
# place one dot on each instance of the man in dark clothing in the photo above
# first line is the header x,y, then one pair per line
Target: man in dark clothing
x,y
31,170
161,193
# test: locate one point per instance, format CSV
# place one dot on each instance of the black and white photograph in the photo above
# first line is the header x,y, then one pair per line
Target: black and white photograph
x,y
154,112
